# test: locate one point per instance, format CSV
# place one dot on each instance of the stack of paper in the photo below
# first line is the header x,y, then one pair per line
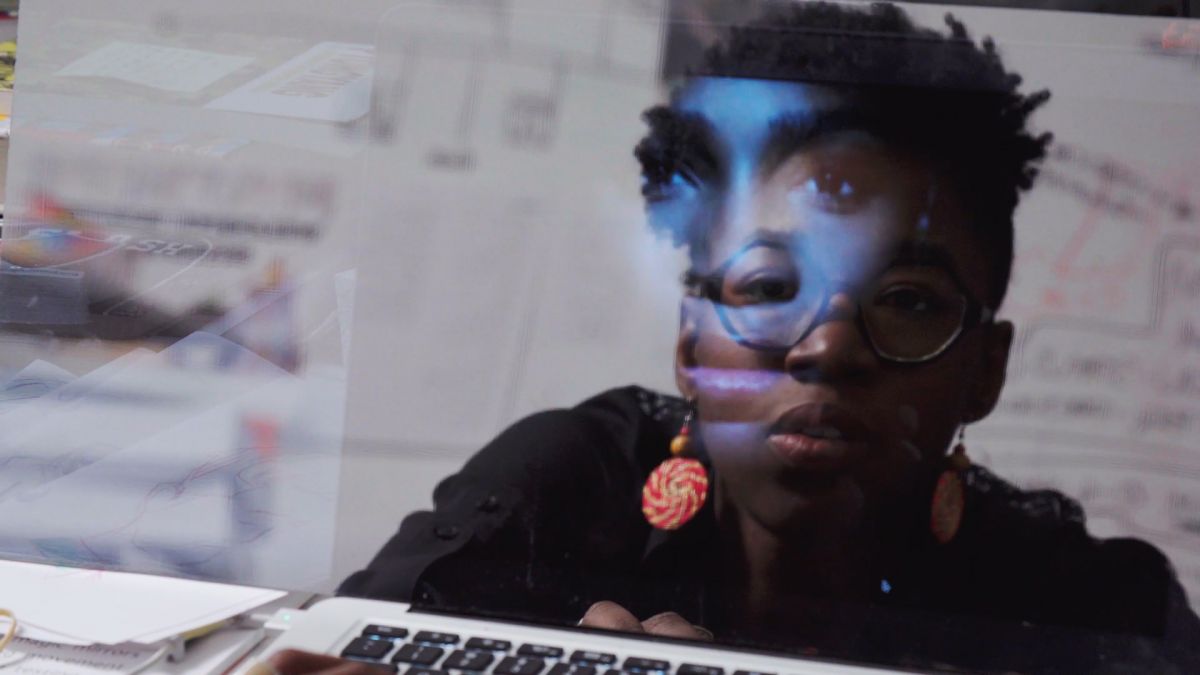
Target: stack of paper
x,y
76,606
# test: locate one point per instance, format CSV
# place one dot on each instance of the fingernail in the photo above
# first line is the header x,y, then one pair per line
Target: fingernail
x,y
707,633
262,668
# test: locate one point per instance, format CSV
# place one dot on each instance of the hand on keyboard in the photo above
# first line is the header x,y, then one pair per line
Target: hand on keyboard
x,y
612,616
369,653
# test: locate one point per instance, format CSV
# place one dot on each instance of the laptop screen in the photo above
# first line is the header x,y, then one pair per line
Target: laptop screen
x,y
861,331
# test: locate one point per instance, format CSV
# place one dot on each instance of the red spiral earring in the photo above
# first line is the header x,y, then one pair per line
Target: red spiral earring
x,y
949,494
676,489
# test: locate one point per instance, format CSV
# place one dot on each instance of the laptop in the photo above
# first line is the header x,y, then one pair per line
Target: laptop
x,y
402,638
274,277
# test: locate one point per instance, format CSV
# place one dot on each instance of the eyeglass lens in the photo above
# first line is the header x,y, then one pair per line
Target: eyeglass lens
x,y
909,312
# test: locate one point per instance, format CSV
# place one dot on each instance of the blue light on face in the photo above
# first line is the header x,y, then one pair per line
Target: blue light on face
x,y
742,160
742,112
737,116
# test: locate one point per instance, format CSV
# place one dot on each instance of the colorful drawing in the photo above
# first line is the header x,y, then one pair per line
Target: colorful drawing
x,y
54,237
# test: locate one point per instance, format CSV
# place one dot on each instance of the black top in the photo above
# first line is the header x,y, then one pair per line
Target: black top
x,y
546,520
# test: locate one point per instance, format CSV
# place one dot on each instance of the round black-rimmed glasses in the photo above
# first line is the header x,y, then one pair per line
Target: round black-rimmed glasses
x,y
910,313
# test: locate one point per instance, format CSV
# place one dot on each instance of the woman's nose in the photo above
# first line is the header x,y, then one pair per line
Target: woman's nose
x,y
835,349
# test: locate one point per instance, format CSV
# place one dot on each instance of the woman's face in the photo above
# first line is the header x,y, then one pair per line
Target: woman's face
x,y
793,195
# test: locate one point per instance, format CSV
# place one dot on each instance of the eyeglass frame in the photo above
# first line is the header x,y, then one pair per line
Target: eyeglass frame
x,y
974,315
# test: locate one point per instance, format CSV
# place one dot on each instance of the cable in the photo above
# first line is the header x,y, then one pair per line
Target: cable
x,y
12,628
158,656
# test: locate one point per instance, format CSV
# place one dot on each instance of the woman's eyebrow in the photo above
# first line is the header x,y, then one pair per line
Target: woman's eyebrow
x,y
789,133
923,253
680,132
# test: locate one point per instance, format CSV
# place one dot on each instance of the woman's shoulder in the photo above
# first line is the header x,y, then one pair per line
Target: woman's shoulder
x,y
538,494
627,427
1038,543
1051,528
570,456
1032,513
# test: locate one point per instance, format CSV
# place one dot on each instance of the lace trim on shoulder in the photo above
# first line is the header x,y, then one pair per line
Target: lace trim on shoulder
x,y
1042,505
660,407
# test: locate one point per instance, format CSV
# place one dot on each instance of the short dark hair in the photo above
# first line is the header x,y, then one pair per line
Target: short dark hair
x,y
941,95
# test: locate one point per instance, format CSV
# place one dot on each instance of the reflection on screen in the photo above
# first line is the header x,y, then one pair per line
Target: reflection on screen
x,y
833,328
177,290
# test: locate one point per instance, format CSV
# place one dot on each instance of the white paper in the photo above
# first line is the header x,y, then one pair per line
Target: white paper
x,y
329,82
32,382
165,68
115,607
36,657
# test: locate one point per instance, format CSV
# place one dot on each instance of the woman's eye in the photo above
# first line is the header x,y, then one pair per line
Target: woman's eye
x,y
666,184
909,299
666,177
766,290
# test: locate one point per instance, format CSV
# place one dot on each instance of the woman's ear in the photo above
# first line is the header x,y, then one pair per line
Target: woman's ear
x,y
997,341
685,348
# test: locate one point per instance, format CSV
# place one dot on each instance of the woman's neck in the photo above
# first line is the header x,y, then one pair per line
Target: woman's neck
x,y
774,576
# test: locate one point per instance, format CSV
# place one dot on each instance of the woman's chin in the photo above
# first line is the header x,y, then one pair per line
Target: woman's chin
x,y
816,503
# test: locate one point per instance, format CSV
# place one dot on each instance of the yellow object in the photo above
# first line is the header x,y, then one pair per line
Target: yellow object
x,y
203,630
679,444
12,629
958,459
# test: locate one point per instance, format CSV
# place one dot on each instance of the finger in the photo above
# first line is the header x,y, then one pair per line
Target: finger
x,y
610,615
296,662
341,667
670,624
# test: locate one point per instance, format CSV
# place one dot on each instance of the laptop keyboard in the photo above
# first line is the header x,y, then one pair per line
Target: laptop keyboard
x,y
432,653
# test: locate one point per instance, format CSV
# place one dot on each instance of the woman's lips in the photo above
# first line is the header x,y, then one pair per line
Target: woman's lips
x,y
818,436
808,452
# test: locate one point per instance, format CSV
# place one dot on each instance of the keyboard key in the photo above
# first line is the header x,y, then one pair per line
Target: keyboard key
x,y
751,672
419,670
693,669
367,648
601,658
540,650
520,665
376,665
436,638
635,663
571,669
384,631
420,655
462,660
489,644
